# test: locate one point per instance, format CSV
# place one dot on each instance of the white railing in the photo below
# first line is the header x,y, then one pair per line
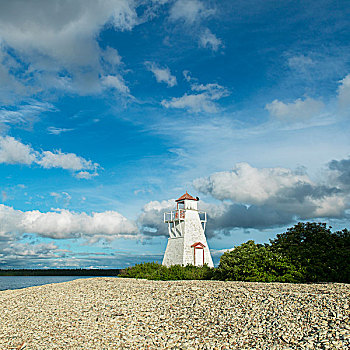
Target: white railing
x,y
179,215
175,215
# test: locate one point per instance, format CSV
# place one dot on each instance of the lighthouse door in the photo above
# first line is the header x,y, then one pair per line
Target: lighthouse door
x,y
199,256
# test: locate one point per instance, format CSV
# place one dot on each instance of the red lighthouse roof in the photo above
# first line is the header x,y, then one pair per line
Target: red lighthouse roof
x,y
186,196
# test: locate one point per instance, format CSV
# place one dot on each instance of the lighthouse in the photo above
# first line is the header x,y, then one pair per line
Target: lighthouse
x,y
187,243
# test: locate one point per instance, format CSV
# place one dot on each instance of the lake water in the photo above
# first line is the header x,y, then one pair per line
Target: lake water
x,y
16,282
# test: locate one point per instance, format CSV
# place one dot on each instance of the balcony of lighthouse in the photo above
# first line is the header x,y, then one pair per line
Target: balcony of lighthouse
x,y
175,217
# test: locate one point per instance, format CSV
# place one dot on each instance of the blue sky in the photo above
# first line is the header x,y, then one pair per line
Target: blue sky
x,y
112,109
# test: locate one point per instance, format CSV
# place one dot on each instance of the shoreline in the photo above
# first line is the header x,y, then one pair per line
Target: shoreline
x,y
21,282
120,313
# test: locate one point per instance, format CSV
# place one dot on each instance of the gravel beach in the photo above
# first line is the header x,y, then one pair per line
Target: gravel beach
x,y
118,313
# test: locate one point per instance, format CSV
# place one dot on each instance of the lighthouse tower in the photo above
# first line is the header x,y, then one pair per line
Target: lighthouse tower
x,y
187,243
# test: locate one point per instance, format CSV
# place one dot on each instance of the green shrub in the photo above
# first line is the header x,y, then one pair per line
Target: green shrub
x,y
325,255
257,263
155,271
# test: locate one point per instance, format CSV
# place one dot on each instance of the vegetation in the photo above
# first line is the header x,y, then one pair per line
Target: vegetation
x,y
257,263
307,252
155,271
325,256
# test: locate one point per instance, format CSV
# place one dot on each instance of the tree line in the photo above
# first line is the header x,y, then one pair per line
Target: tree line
x,y
306,252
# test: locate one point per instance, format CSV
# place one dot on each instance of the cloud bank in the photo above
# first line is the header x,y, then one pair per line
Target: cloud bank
x,y
297,110
65,224
267,197
261,198
13,151
56,44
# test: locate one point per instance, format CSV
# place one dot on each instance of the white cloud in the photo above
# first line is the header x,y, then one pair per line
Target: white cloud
x,y
269,196
112,57
25,113
300,62
85,175
208,40
344,93
249,185
219,252
201,102
187,76
48,38
48,255
64,224
297,110
215,90
330,206
196,103
56,195
158,206
25,250
162,75
115,82
142,191
66,197
57,131
68,161
189,11
9,85
13,151
151,217
64,31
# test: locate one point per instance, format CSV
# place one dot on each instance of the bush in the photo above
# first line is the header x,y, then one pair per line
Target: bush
x,y
257,263
324,255
155,271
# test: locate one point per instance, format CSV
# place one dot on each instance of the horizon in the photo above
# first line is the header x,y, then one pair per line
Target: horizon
x,y
110,110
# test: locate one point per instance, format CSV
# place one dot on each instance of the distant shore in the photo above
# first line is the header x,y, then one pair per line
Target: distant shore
x,y
110,313
60,272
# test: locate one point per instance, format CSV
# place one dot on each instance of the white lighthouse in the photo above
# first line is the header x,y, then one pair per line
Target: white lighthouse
x,y
187,243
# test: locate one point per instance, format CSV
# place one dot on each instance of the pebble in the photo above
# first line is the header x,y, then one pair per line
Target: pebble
x,y
119,313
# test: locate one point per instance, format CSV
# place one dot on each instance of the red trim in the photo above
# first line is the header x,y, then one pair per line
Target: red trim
x,y
197,245
186,196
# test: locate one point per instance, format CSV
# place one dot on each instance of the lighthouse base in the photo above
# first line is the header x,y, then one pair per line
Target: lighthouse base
x,y
180,251
174,252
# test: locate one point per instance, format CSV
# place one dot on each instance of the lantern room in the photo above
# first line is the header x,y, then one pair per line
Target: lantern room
x,y
187,202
